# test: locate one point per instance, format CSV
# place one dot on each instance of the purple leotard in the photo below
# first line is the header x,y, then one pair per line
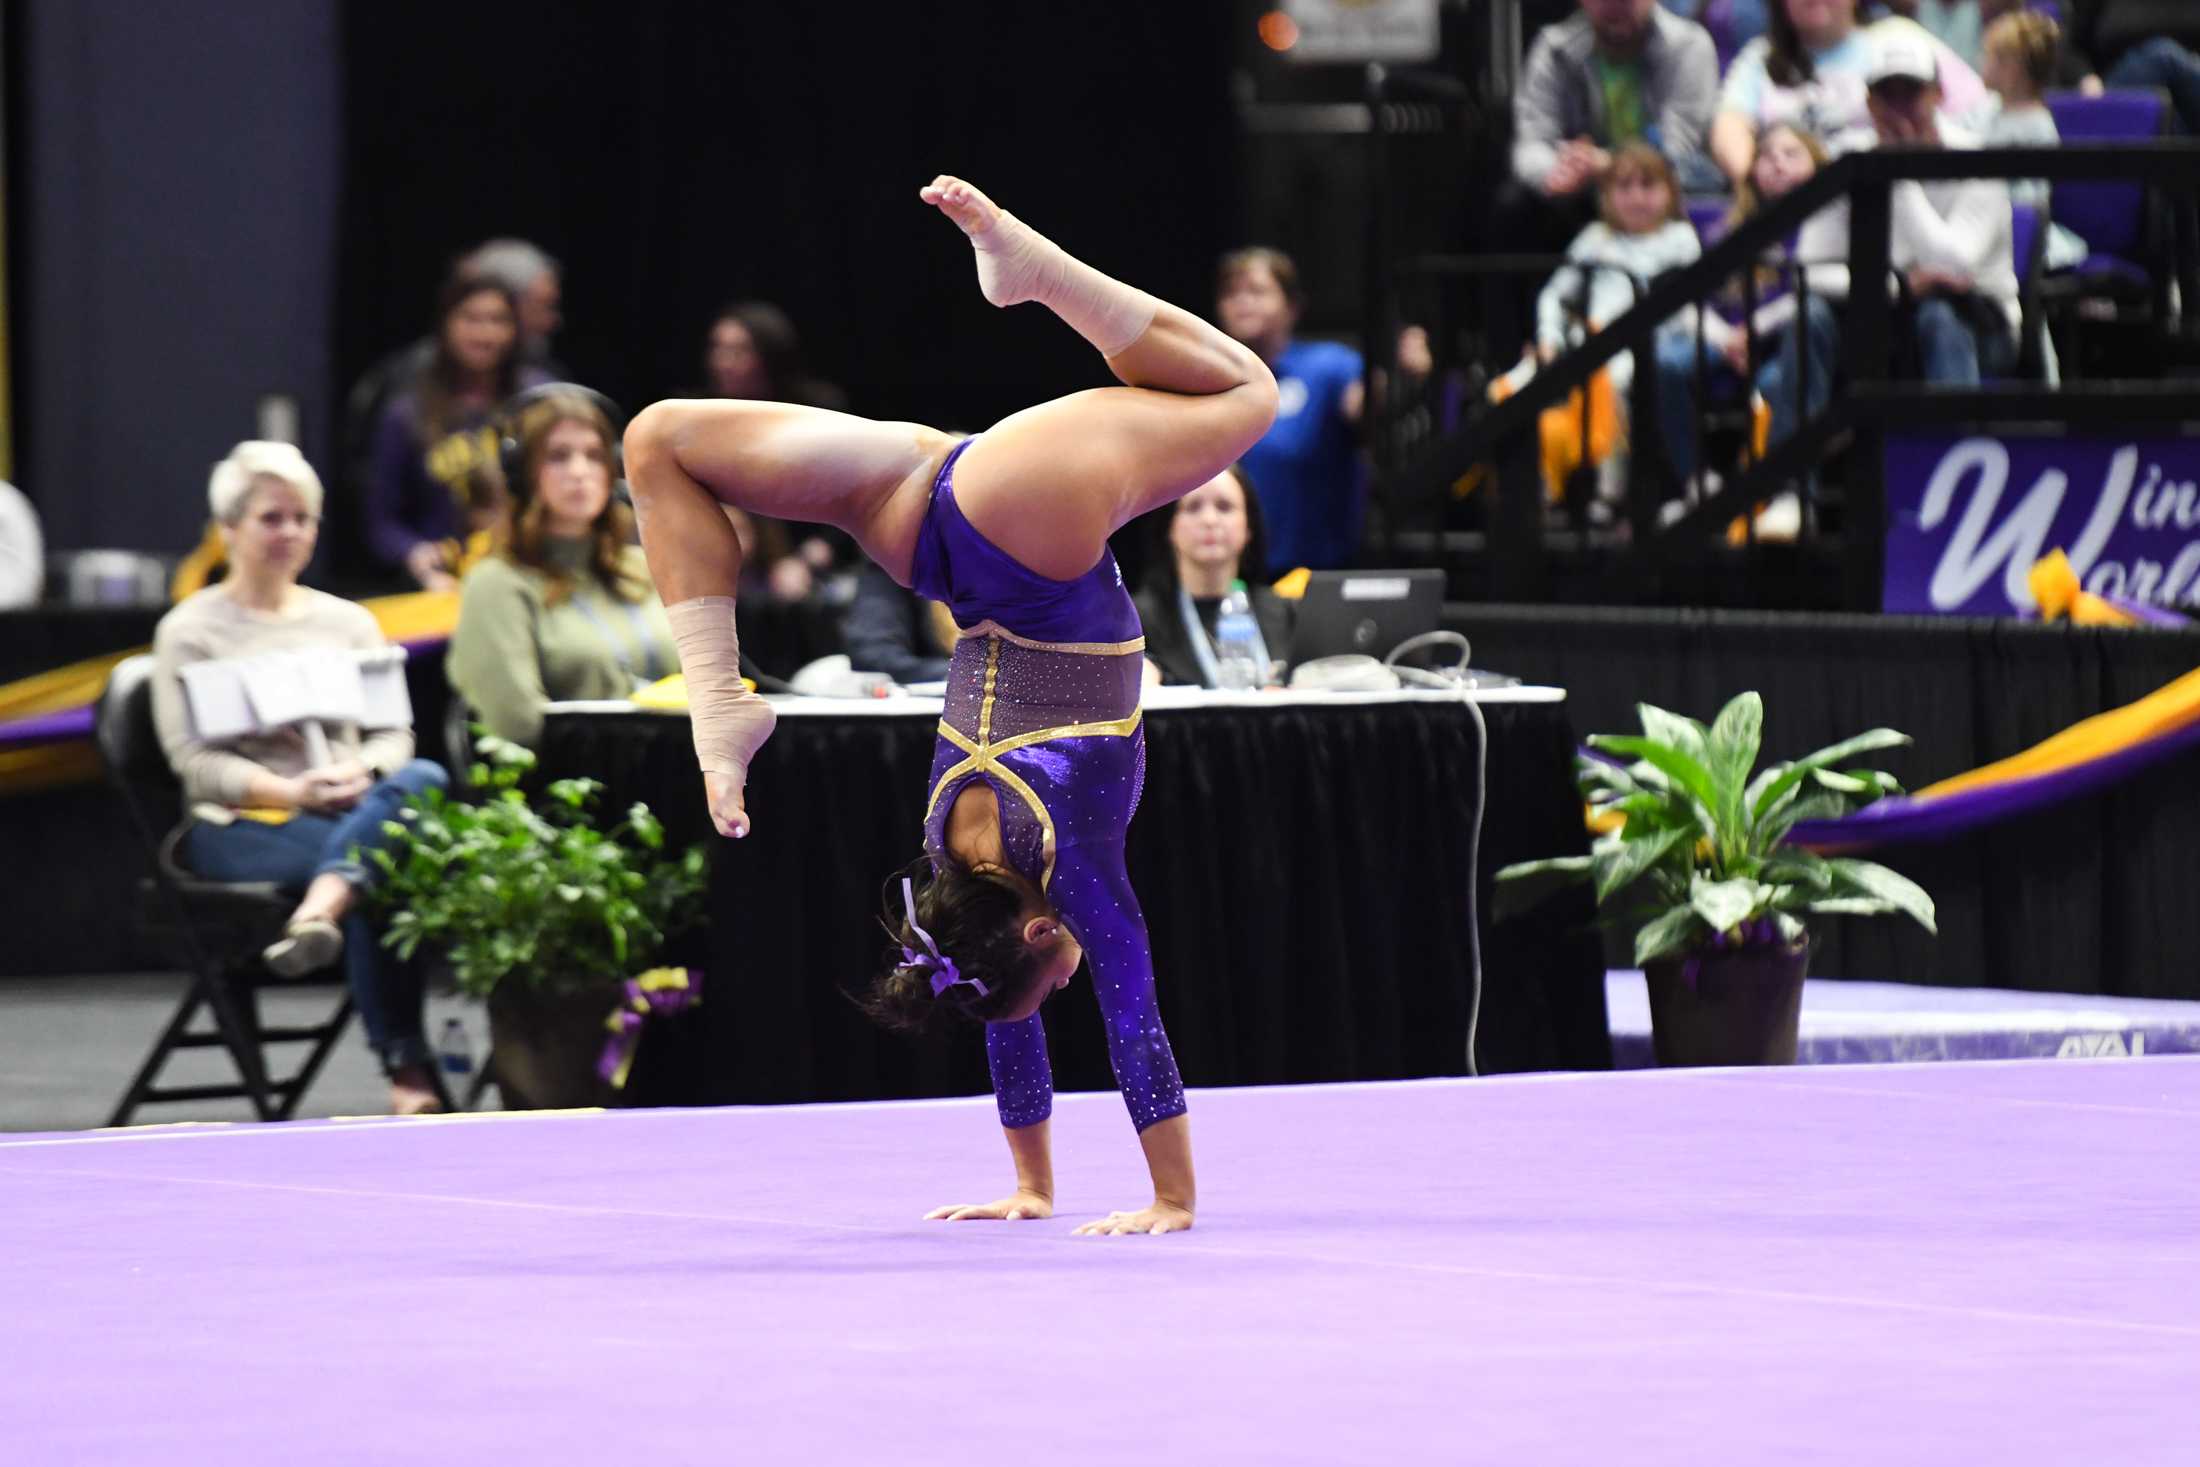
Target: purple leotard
x,y
1042,704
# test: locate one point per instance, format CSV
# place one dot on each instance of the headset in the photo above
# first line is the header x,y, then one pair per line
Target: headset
x,y
511,458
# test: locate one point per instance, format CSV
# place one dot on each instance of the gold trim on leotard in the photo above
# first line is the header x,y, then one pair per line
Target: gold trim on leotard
x,y
990,628
985,757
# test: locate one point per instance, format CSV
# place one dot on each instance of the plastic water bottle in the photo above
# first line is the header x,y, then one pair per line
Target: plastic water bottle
x,y
1238,654
454,1053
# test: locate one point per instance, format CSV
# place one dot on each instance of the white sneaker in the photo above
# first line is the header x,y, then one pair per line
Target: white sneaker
x,y
1698,489
1781,521
1612,478
305,947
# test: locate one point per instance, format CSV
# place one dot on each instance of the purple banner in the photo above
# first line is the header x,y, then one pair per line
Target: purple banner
x,y
1968,517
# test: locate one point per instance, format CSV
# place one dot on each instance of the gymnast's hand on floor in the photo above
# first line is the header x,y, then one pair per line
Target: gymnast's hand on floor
x,y
1022,1207
727,811
1162,1217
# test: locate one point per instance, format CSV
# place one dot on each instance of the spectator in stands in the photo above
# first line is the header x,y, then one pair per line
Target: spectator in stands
x,y
259,811
753,352
1307,468
1616,72
1209,540
895,631
537,284
430,439
2021,50
1620,71
400,369
22,551
565,608
1786,158
1950,239
1809,68
1643,234
2126,43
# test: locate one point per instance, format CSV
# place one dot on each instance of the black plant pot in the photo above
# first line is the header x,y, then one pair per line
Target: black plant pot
x,y
546,1046
1743,1008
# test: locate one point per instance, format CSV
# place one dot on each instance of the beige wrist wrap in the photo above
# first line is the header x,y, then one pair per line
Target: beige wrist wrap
x,y
731,723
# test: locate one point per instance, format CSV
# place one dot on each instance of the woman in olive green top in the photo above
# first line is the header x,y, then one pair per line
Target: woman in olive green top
x,y
565,609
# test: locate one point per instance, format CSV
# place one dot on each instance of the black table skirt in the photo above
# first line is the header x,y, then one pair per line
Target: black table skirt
x,y
1302,871
2090,896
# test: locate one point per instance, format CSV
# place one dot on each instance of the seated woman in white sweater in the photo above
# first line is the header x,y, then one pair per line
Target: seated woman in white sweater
x,y
271,806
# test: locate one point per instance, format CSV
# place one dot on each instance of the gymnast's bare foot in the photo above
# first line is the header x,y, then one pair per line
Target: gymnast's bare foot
x,y
728,808
1007,267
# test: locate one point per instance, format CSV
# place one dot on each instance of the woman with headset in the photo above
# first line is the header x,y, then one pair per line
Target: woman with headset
x,y
564,608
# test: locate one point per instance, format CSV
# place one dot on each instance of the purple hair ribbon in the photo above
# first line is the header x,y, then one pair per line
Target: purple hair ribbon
x,y
945,975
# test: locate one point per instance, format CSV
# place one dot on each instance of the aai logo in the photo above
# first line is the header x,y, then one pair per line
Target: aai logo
x,y
2102,1046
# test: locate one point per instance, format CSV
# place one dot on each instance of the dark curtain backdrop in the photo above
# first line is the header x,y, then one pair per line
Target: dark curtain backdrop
x,y
680,155
172,237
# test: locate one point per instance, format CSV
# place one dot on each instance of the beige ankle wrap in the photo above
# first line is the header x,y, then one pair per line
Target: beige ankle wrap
x,y
730,722
1017,263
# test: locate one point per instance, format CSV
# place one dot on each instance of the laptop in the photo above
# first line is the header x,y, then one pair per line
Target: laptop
x,y
1368,612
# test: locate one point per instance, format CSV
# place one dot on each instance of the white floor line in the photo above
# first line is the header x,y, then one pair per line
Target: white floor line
x,y
1020,1235
345,1125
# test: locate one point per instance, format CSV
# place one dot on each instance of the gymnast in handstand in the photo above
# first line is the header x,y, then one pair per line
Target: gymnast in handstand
x,y
1041,752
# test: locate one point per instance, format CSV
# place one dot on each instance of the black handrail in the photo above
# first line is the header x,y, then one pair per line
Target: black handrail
x,y
1865,179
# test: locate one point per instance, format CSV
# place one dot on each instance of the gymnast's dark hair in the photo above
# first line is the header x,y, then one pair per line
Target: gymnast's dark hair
x,y
973,913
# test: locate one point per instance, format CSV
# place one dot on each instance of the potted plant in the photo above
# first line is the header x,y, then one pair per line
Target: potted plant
x,y
1693,860
549,920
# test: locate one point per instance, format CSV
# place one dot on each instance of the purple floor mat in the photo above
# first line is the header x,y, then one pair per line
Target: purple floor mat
x,y
1936,1263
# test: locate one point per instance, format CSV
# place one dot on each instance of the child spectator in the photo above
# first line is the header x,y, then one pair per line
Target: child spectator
x,y
1786,157
2021,51
1643,234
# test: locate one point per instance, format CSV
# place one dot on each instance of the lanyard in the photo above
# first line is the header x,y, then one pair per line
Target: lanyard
x,y
1210,671
642,639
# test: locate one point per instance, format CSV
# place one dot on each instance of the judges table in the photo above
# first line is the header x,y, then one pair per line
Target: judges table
x,y
1302,861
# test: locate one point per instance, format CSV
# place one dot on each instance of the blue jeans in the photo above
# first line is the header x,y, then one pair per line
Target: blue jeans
x,y
1677,407
390,995
2161,62
1952,351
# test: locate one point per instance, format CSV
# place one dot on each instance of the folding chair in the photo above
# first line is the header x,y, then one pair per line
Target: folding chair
x,y
218,928
2130,262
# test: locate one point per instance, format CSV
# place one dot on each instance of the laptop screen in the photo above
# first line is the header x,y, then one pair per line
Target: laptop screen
x,y
1366,612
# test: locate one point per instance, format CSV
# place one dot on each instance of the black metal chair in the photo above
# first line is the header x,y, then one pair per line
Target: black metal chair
x,y
217,929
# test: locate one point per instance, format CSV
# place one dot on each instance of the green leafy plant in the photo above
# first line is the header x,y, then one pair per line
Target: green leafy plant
x,y
532,894
1699,859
